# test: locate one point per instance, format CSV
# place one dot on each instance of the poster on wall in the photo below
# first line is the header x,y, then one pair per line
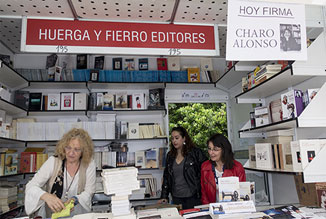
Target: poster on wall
x,y
265,31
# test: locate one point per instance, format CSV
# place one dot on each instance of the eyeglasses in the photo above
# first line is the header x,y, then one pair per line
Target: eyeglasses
x,y
76,150
215,149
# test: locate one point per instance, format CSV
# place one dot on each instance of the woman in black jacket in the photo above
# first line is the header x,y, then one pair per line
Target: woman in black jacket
x,y
182,172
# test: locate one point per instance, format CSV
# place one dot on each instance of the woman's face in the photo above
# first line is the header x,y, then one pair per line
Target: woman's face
x,y
215,153
73,151
287,33
177,140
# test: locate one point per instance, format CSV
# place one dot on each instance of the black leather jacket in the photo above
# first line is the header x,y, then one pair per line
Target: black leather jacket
x,y
191,172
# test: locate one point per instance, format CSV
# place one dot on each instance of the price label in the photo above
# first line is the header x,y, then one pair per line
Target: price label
x,y
175,52
62,49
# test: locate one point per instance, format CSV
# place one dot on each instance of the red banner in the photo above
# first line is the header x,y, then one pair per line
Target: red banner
x,y
118,34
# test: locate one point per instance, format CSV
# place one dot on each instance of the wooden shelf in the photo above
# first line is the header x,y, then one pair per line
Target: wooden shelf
x,y
11,78
10,108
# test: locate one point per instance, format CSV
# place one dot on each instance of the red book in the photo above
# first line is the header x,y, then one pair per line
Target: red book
x,y
162,64
27,162
187,211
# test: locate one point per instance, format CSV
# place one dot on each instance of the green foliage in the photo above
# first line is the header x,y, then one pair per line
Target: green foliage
x,y
201,120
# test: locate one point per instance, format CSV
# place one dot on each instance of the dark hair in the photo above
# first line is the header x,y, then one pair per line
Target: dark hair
x,y
219,140
187,147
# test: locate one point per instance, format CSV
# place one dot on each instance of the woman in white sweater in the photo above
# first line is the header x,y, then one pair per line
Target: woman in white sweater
x,y
70,174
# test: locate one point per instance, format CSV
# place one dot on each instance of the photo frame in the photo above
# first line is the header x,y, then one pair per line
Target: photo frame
x,y
67,101
94,75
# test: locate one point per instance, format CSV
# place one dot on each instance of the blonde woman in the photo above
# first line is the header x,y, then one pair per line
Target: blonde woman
x,y
70,174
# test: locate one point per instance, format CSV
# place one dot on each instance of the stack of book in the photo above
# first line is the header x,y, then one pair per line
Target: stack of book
x,y
114,182
8,198
265,72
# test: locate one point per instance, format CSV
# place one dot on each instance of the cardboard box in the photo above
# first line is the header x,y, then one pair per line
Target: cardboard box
x,y
306,192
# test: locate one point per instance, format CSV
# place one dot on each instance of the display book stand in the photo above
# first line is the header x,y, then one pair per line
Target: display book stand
x,y
313,115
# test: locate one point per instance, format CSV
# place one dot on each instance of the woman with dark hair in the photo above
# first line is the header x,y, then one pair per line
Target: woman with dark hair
x,y
181,175
220,164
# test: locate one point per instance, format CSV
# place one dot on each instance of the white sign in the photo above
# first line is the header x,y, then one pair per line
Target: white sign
x,y
265,31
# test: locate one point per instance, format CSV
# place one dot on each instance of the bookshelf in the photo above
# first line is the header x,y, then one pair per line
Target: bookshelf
x,y
11,78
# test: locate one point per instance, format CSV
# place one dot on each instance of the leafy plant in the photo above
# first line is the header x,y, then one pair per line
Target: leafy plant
x,y
201,120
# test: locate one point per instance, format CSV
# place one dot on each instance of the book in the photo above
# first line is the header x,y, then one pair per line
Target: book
x,y
53,102
35,101
99,101
67,101
296,156
81,61
21,99
108,101
57,73
11,163
94,75
138,101
309,149
151,158
156,98
51,60
143,64
92,101
80,101
117,63
206,64
229,189
133,130
193,75
140,159
276,111
99,62
51,73
129,64
264,156
252,156
173,63
321,194
162,64
245,191
121,101
292,104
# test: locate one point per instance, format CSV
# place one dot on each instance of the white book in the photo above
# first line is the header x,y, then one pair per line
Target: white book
x,y
252,156
138,101
67,101
80,101
206,64
173,63
133,130
309,149
53,102
264,156
245,193
229,189
140,159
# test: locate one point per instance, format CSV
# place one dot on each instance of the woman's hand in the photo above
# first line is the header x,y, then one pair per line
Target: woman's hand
x,y
54,203
68,201
162,201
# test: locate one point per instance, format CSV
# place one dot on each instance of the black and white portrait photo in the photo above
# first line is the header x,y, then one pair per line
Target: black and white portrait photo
x,y
290,35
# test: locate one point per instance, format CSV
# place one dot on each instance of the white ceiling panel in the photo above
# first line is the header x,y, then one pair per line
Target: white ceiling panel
x,y
130,10
43,8
202,11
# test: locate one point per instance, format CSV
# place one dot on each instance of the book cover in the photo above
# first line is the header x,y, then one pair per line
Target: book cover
x,y
67,101
309,149
108,101
206,64
156,98
11,163
245,191
130,158
143,64
151,158
99,62
140,159
296,156
173,63
92,101
123,129
51,73
94,75
138,101
53,102
21,99
57,73
252,156
35,101
117,63
133,130
321,194
51,60
292,104
193,75
264,156
229,189
162,64
99,101
81,61
276,112
121,101
129,64
80,101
